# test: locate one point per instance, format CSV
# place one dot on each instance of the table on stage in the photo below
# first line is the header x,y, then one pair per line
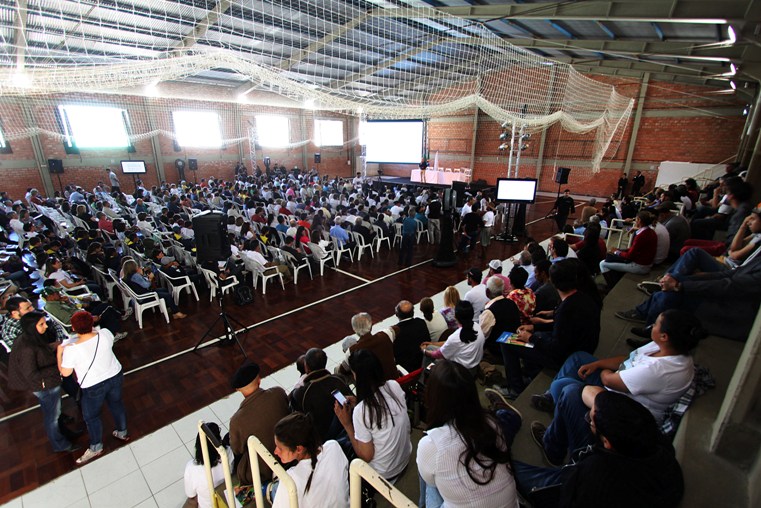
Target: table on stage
x,y
438,177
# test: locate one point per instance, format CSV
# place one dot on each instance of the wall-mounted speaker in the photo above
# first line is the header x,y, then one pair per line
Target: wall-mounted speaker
x,y
317,158
193,164
561,176
55,166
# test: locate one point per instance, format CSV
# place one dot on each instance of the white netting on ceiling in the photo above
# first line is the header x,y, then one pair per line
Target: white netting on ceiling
x,y
370,58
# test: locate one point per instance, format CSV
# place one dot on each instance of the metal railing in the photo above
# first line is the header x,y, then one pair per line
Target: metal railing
x,y
216,502
360,470
255,450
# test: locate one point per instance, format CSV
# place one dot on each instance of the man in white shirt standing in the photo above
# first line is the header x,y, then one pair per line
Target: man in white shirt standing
x,y
115,187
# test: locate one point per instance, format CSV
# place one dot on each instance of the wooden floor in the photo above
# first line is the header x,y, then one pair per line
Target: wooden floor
x,y
165,382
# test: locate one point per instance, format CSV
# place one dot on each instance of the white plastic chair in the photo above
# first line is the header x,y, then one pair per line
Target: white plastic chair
x,y
145,301
361,245
322,260
338,250
296,266
259,271
419,229
380,237
397,234
177,284
211,281
104,280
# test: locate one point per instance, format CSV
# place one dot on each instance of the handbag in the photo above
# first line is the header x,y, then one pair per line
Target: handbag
x,y
78,397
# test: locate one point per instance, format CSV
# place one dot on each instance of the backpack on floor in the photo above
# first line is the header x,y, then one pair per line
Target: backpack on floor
x,y
243,294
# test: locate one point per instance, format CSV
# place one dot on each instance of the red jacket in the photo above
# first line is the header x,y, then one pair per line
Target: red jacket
x,y
643,248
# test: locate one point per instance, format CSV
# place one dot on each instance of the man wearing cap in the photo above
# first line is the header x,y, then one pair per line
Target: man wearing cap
x,y
477,294
495,270
257,415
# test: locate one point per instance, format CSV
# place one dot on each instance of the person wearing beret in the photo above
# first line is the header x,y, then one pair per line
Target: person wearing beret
x,y
257,415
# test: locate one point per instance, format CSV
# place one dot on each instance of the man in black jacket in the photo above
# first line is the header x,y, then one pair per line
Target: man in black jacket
x,y
408,334
629,463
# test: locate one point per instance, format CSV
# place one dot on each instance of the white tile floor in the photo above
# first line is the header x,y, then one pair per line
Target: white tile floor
x,y
147,473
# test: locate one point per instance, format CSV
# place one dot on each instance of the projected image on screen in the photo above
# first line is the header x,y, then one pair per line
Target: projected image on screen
x,y
133,167
516,191
393,142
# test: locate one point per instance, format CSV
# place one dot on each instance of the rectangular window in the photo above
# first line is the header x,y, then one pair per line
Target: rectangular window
x,y
328,133
272,131
197,129
5,146
94,126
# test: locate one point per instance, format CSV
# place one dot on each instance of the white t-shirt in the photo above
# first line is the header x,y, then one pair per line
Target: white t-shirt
x,y
60,275
79,357
392,441
439,463
195,480
663,243
656,382
478,299
330,483
436,326
468,355
488,219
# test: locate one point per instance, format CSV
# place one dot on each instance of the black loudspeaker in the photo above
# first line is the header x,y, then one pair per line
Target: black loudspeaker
x,y
447,201
459,189
561,176
212,243
193,164
317,158
55,166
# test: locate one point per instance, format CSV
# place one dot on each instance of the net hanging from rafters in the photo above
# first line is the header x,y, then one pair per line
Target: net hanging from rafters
x,y
372,59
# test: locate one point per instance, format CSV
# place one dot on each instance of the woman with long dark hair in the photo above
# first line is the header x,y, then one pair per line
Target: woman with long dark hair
x,y
464,458
196,485
321,469
33,367
376,420
466,344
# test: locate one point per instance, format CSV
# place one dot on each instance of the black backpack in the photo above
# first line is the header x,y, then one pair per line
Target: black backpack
x,y
243,294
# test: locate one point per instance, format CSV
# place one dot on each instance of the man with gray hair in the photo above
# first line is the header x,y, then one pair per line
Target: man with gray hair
x,y
500,315
588,211
379,343
407,336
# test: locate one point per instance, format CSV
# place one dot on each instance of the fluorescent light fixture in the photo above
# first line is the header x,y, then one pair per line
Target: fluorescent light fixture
x,y
21,79
733,85
731,34
733,68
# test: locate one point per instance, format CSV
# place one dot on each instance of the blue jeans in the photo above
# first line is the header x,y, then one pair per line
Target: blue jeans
x,y
568,430
110,392
695,259
569,374
50,402
529,477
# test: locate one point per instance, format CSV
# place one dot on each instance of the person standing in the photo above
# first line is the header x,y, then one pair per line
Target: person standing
x,y
100,376
637,183
623,182
564,206
33,367
434,219
115,187
409,229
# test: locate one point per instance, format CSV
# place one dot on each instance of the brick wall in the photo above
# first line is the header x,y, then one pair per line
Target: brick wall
x,y
674,127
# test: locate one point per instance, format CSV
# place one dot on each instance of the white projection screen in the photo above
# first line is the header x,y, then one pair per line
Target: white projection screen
x,y
397,142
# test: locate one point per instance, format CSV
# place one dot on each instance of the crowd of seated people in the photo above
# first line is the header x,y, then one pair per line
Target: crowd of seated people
x,y
549,300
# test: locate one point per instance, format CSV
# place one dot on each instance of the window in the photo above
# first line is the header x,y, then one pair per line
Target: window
x,y
94,127
197,129
328,133
5,146
272,131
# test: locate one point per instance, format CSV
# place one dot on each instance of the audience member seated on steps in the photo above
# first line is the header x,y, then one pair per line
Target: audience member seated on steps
x,y
379,343
465,346
476,295
464,458
376,421
500,315
591,250
495,270
738,196
135,278
575,327
196,486
636,259
407,335
451,298
315,397
61,307
523,297
655,375
547,298
435,322
321,469
257,415
628,463
725,300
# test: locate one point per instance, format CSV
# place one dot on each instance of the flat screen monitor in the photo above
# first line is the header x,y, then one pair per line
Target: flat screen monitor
x,y
133,167
393,141
516,190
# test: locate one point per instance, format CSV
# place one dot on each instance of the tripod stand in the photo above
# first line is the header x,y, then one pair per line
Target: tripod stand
x,y
230,334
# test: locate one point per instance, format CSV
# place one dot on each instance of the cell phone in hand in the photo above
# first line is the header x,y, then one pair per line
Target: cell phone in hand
x,y
339,397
